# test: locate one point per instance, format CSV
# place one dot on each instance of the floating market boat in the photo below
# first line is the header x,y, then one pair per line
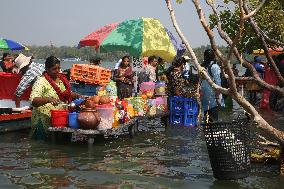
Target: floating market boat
x,y
11,118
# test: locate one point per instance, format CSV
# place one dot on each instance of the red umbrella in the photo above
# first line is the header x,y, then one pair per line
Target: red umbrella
x,y
96,38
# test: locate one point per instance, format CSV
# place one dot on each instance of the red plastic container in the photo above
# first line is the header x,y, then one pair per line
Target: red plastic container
x,y
59,118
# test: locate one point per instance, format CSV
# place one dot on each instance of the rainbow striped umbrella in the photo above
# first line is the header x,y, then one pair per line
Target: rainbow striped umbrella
x,y
139,37
7,44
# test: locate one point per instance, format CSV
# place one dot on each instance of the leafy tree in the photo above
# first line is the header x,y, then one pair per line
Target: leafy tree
x,y
270,20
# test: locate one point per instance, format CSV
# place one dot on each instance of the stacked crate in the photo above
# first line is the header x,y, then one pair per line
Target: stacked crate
x,y
105,75
183,111
90,74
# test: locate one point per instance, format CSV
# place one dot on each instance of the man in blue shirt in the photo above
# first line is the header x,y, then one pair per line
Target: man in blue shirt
x,y
252,87
210,99
257,65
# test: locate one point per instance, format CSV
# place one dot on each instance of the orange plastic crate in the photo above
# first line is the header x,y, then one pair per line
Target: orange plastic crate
x,y
90,74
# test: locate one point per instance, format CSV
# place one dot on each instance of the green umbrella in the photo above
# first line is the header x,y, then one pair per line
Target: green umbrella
x,y
7,44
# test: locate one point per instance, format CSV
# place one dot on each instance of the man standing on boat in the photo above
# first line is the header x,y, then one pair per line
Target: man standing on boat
x,y
96,61
30,71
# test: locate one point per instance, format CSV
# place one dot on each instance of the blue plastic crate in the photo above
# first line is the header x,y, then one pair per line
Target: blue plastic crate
x,y
190,120
183,105
184,120
191,106
183,111
177,119
177,105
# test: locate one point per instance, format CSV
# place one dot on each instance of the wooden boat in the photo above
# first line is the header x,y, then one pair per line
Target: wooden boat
x,y
15,119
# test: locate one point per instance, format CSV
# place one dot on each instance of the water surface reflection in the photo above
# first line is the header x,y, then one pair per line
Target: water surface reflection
x,y
172,158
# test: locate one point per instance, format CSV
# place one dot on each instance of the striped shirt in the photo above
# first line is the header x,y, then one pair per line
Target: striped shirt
x,y
35,70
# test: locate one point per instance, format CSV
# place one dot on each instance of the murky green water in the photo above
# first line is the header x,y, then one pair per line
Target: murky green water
x,y
172,158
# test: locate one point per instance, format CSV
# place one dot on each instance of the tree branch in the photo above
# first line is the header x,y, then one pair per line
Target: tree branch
x,y
254,11
201,70
261,123
226,37
258,33
269,40
267,142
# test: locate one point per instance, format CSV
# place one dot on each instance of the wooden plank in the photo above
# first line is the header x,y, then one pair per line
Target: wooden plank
x,y
128,128
114,131
244,80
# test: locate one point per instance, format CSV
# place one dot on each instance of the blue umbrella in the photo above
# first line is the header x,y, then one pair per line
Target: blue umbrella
x,y
179,46
7,44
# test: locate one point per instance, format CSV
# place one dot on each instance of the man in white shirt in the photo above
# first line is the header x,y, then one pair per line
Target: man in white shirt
x,y
150,68
30,71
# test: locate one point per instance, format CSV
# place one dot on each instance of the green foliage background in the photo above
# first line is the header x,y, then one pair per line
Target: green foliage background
x,y
270,19
42,52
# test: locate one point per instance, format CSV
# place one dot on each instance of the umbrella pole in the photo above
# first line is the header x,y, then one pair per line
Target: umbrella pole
x,y
136,84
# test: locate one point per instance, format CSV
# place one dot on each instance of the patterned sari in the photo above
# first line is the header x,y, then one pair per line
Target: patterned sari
x,y
176,83
124,86
41,115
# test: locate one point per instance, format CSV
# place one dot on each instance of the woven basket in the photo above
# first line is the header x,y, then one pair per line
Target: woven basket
x,y
227,145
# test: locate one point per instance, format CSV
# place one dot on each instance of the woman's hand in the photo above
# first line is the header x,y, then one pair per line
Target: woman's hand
x,y
127,81
53,101
15,70
41,101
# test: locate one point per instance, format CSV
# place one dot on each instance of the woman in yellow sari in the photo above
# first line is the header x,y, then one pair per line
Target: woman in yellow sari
x,y
48,92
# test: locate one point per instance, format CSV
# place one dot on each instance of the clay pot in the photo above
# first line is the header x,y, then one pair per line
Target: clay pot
x,y
90,104
96,99
104,100
89,119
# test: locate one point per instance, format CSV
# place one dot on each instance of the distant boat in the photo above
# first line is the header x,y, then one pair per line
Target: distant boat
x,y
71,59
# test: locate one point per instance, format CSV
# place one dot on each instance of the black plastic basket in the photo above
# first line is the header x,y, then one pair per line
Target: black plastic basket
x,y
228,148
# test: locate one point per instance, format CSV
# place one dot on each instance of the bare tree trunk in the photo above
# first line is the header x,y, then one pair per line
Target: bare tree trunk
x,y
261,123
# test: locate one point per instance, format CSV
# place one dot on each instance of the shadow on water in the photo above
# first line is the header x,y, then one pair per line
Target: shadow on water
x,y
175,157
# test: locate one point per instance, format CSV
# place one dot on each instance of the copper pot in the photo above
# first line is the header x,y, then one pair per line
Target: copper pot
x,y
90,104
96,99
89,119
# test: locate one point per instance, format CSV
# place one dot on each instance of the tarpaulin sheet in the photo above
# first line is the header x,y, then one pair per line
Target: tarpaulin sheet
x,y
8,85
